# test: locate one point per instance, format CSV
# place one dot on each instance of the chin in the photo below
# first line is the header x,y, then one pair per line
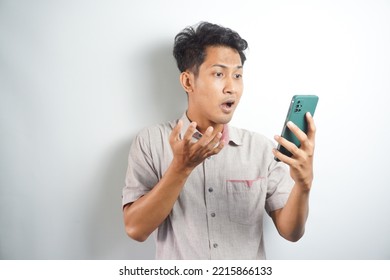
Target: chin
x,y
224,119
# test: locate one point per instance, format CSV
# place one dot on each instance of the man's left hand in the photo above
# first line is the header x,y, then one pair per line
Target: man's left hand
x,y
301,161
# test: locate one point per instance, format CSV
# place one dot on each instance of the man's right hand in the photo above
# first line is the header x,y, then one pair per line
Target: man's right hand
x,y
187,154
145,214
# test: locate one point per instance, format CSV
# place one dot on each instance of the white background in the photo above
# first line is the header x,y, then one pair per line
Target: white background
x,y
78,79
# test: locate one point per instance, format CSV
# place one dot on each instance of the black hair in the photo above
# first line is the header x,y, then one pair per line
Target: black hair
x,y
190,44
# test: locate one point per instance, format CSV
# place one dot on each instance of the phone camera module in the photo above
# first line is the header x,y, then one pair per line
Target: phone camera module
x,y
298,107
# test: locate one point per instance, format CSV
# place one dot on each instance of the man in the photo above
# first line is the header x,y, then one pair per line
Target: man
x,y
203,185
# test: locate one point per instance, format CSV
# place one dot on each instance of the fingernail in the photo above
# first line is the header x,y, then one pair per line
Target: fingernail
x,y
276,137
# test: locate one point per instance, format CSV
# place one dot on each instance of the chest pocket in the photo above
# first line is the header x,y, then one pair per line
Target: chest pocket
x,y
246,200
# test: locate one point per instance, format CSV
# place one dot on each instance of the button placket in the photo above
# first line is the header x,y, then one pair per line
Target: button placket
x,y
211,202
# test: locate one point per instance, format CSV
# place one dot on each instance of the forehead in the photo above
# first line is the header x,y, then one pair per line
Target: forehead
x,y
222,55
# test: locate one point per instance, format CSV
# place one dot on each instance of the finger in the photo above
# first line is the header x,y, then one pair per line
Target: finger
x,y
217,149
175,134
311,131
206,138
214,142
282,157
301,136
190,131
291,147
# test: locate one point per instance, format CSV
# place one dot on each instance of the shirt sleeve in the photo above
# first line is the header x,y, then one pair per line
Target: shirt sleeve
x,y
279,186
141,175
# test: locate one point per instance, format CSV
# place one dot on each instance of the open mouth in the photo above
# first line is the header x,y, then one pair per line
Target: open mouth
x,y
228,105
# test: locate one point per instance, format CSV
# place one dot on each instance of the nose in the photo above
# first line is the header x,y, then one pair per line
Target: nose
x,y
230,86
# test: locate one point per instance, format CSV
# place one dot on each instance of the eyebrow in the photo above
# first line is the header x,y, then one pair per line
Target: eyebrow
x,y
224,66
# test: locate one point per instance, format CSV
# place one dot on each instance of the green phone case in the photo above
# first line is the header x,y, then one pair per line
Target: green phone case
x,y
299,106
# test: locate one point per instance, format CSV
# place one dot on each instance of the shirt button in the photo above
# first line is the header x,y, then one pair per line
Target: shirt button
x,y
211,189
212,214
215,245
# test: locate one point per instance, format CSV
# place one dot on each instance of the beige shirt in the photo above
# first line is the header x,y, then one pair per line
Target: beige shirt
x,y
219,213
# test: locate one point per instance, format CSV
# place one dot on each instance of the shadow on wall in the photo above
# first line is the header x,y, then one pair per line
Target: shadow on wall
x,y
170,100
108,239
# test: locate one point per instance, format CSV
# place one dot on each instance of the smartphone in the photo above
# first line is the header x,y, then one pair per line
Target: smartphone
x,y
299,106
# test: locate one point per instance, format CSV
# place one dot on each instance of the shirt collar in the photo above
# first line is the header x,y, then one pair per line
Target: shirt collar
x,y
229,134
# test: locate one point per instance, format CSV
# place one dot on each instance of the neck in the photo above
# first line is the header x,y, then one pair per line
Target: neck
x,y
203,125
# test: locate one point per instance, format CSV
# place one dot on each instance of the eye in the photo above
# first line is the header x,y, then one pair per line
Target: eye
x,y
238,76
218,74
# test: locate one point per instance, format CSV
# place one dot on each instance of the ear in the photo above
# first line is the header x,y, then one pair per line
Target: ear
x,y
187,81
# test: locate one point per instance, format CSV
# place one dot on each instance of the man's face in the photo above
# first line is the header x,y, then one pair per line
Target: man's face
x,y
216,91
